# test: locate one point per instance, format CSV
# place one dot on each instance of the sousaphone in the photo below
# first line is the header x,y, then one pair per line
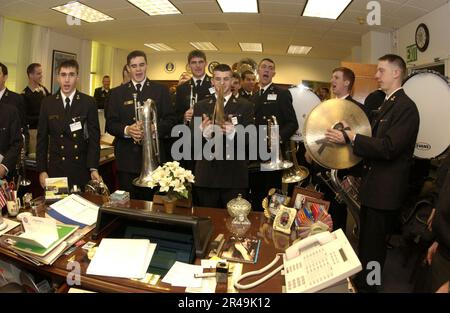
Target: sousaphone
x,y
331,114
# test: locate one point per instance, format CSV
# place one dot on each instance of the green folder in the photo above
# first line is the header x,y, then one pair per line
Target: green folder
x,y
64,231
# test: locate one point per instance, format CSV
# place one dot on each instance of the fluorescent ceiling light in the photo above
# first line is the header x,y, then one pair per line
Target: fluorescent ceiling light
x,y
83,12
159,47
155,7
299,50
207,46
251,47
331,9
238,6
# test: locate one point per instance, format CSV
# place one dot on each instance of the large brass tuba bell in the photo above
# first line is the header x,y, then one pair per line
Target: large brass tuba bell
x,y
148,115
296,173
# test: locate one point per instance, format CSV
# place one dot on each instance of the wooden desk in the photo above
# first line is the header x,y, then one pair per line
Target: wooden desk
x,y
221,222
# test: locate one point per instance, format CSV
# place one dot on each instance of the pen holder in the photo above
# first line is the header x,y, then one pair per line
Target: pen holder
x,y
13,207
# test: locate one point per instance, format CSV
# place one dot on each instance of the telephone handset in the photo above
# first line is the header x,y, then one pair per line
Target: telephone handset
x,y
313,263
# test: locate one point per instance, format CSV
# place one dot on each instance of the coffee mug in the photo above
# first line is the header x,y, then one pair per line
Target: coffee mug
x,y
13,207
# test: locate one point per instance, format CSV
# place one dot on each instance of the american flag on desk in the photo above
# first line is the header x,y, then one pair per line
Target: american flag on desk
x,y
2,199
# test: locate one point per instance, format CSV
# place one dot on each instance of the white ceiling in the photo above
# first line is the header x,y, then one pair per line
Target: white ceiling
x,y
278,24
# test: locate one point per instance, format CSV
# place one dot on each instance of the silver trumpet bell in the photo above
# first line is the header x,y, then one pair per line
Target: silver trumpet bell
x,y
273,141
147,113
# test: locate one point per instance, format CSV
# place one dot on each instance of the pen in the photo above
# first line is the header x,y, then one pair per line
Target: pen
x,y
204,275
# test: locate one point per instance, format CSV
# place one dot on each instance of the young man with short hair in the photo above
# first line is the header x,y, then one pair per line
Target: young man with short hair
x,y
270,101
33,95
248,79
121,123
217,181
101,94
10,135
388,156
68,137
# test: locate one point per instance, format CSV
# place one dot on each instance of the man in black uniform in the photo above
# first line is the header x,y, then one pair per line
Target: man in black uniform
x,y
68,137
121,123
10,135
388,158
33,95
248,84
439,252
220,179
199,84
101,94
270,101
13,99
194,90
342,81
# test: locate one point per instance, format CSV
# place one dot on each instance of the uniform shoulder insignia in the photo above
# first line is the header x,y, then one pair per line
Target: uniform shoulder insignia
x,y
129,85
78,97
393,98
57,97
148,83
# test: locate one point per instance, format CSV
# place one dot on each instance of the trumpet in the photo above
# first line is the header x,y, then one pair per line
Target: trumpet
x,y
148,114
192,102
219,110
20,166
273,142
137,106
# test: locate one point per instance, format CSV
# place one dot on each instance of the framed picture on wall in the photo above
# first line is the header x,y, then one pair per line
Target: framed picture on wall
x,y
58,58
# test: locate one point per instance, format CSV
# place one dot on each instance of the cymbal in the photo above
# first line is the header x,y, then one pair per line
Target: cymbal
x,y
330,114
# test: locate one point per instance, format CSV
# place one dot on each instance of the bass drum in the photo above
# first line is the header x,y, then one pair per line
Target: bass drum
x,y
304,101
431,93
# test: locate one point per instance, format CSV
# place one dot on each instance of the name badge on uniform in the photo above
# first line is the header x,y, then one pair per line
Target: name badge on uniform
x,y
75,126
272,97
212,90
234,120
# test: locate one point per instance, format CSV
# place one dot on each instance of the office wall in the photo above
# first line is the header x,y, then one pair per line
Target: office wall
x,y
290,70
82,48
438,23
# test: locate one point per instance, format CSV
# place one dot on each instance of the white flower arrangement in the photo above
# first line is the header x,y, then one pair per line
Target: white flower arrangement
x,y
172,179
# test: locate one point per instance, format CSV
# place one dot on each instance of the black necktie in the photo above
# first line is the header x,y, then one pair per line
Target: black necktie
x,y
67,105
198,82
138,88
261,91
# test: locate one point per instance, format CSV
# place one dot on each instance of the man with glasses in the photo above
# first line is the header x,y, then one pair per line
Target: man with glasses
x,y
68,137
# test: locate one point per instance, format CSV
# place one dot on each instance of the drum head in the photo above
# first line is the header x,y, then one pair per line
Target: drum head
x,y
431,93
304,101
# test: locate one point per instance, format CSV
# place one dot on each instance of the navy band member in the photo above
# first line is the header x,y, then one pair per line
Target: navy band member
x,y
101,94
201,85
121,123
33,95
388,156
342,81
14,100
270,101
10,135
217,181
248,79
68,137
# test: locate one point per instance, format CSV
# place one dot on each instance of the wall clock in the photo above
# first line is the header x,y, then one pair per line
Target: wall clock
x,y
422,37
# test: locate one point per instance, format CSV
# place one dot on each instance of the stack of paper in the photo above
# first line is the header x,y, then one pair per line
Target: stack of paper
x,y
128,258
182,275
43,241
74,210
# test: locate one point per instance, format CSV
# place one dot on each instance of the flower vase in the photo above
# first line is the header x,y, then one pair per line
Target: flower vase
x,y
169,204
